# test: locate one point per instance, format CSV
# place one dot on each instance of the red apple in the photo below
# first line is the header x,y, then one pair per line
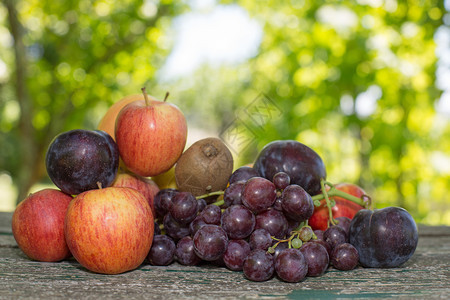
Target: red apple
x,y
109,230
108,122
146,186
343,207
38,225
151,136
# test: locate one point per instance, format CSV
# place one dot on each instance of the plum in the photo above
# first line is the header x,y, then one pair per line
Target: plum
x,y
77,160
384,238
303,165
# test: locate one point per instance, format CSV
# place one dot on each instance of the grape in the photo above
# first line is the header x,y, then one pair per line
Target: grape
x,y
323,244
258,194
210,242
344,222
297,204
174,229
281,180
296,243
211,214
305,234
201,204
277,204
260,239
319,234
280,247
163,200
316,257
237,251
196,224
157,229
292,225
291,266
242,174
344,257
274,222
162,251
232,194
334,236
259,265
185,253
184,207
238,221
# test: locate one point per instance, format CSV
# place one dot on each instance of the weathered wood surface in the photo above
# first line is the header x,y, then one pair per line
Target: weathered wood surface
x,y
425,275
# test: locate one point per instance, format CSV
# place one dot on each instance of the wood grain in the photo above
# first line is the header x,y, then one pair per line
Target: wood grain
x,y
425,275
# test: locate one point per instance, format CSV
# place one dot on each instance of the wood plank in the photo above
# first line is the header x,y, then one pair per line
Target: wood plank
x,y
426,274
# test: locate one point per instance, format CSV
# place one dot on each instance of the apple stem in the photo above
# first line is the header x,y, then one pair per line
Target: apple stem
x,y
167,96
147,101
99,184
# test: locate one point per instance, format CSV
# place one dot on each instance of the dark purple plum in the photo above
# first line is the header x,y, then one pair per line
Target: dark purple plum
x,y
242,174
384,238
303,165
162,251
77,160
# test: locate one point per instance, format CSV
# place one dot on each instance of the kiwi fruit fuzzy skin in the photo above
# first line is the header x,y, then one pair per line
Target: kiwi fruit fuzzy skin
x,y
204,167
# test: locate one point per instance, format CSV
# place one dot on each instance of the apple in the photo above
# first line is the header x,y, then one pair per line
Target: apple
x,y
108,122
343,207
146,186
109,230
150,135
38,225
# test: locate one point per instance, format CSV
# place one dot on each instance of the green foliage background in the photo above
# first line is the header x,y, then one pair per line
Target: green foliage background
x,y
68,61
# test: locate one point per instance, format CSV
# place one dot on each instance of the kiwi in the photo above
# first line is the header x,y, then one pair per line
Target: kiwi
x,y
204,167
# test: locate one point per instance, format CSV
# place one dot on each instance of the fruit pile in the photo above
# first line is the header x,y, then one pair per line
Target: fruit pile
x,y
279,216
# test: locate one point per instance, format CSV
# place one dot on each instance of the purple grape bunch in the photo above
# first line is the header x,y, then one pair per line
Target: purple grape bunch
x,y
259,225
247,230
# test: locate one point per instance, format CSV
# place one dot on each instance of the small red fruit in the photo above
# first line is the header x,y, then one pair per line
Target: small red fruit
x,y
343,207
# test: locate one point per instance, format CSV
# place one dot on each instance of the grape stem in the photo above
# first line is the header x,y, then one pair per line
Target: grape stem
x,y
218,193
364,201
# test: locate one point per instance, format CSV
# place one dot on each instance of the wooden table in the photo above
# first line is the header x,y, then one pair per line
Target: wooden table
x,y
425,275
